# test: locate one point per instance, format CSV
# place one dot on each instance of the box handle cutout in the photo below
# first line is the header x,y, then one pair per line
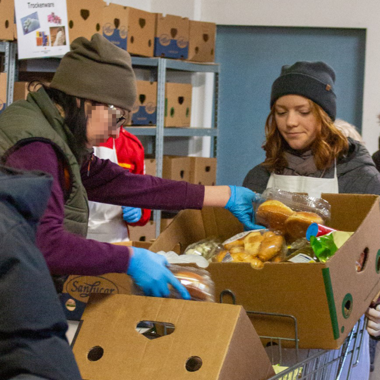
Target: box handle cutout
x,y
347,305
182,173
361,261
207,169
378,261
95,354
142,98
150,43
70,304
71,24
196,50
97,27
154,330
181,99
173,32
230,293
85,14
6,24
205,37
142,22
116,22
194,363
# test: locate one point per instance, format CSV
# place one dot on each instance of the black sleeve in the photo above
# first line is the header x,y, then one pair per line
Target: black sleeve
x,y
257,179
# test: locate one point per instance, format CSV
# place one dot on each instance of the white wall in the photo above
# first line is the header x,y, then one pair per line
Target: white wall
x,y
296,13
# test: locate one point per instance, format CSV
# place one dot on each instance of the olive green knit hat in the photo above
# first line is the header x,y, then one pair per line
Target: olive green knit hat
x,y
97,70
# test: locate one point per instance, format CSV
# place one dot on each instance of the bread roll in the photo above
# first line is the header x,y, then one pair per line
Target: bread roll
x,y
252,243
270,247
235,243
297,224
273,215
256,263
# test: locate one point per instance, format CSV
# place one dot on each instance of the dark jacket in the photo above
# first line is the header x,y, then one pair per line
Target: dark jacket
x,y
32,323
356,172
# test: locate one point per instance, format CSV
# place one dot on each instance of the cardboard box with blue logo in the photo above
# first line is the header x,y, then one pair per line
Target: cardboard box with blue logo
x,y
171,37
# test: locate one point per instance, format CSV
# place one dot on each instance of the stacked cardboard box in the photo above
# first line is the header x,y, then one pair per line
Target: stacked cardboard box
x,y
145,108
178,105
171,36
202,41
7,20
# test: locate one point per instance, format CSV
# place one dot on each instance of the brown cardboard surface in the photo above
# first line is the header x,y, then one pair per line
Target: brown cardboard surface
x,y
3,91
150,166
203,170
228,349
143,233
172,32
146,103
6,20
20,91
176,168
115,17
141,26
202,41
84,18
178,105
316,293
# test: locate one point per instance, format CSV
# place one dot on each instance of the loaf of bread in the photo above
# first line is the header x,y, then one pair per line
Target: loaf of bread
x,y
195,284
270,247
252,243
297,224
273,214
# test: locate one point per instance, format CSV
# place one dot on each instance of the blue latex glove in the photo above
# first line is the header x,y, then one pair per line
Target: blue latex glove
x,y
131,214
240,204
149,271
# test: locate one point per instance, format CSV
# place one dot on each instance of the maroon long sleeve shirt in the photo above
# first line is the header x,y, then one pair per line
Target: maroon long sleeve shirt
x,y
106,182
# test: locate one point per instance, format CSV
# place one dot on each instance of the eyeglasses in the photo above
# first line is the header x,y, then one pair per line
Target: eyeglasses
x,y
121,115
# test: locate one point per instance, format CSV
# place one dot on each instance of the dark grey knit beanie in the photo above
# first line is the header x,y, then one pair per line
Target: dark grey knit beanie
x,y
313,80
97,70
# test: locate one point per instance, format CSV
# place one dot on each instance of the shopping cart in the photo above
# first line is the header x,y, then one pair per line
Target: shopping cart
x,y
315,364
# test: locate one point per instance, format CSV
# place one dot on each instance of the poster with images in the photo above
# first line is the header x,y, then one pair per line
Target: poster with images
x,y
41,28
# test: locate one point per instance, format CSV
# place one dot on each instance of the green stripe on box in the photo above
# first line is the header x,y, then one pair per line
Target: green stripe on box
x,y
330,301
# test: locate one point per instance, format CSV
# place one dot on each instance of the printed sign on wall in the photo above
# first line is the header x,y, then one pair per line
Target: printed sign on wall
x,y
41,28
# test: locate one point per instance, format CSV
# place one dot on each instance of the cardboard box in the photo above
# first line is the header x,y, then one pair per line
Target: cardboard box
x,y
77,288
164,223
150,166
108,345
115,24
176,168
178,105
326,299
140,32
144,110
203,170
3,91
20,91
143,233
7,15
202,41
84,18
171,38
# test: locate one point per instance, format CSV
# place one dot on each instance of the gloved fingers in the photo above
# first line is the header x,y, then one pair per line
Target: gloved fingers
x,y
132,214
174,282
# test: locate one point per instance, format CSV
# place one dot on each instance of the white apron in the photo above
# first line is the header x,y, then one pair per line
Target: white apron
x,y
106,222
302,184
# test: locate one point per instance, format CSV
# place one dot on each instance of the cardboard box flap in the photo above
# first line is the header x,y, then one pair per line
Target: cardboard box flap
x,y
192,226
109,327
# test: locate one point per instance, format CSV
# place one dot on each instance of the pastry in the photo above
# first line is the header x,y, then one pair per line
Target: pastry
x,y
273,214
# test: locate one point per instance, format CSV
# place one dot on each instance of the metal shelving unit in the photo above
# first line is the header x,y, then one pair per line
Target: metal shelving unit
x,y
9,49
159,68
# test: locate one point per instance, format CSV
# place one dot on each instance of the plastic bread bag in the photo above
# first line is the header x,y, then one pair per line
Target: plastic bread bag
x,y
291,213
206,248
255,247
197,281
